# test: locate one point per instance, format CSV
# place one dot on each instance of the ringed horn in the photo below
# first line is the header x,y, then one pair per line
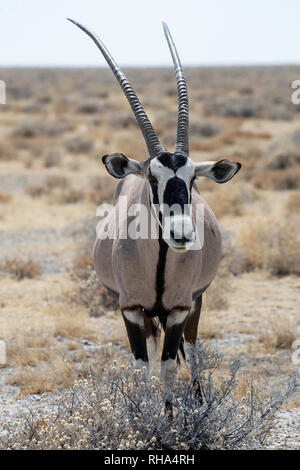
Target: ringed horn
x,y
182,136
154,146
151,139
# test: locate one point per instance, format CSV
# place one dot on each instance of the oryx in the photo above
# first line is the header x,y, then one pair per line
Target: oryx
x,y
160,277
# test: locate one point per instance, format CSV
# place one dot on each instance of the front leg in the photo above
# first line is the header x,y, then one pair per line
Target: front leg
x,y
135,326
190,336
175,324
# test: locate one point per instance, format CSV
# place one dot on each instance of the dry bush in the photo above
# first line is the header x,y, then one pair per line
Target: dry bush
x,y
279,332
278,111
211,145
83,265
37,366
57,190
52,157
217,293
41,127
231,199
292,205
278,179
233,263
66,196
50,185
56,181
249,158
44,377
19,268
165,123
122,120
32,107
6,153
280,167
245,107
280,161
272,244
129,142
204,129
79,144
283,153
5,197
232,137
89,107
28,341
36,191
51,347
88,290
50,369
92,295
122,409
69,322
234,260
102,189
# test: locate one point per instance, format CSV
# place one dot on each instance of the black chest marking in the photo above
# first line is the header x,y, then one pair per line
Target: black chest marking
x,y
158,308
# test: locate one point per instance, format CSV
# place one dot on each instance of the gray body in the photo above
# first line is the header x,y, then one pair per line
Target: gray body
x,y
129,267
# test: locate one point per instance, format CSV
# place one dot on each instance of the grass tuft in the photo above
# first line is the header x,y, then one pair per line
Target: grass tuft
x,y
20,269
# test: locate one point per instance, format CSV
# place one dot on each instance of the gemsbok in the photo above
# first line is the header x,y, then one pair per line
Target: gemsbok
x,y
160,277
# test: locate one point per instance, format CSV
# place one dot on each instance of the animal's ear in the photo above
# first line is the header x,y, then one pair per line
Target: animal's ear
x,y
120,166
221,171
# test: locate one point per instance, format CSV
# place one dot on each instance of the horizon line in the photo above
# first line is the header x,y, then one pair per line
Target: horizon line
x,y
150,66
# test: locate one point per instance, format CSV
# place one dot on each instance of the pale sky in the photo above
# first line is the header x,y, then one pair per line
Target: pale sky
x,y
210,32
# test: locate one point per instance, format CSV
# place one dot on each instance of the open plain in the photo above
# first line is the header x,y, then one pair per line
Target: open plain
x,y
55,319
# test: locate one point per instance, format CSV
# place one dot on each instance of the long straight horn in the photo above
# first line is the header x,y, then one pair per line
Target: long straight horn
x,y
151,139
182,136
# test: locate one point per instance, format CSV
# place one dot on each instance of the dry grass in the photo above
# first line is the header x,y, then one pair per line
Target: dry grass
x,y
272,244
83,265
102,189
292,205
20,269
52,157
5,197
216,296
6,153
45,372
277,180
69,322
51,372
53,133
66,196
232,199
46,348
88,291
279,332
